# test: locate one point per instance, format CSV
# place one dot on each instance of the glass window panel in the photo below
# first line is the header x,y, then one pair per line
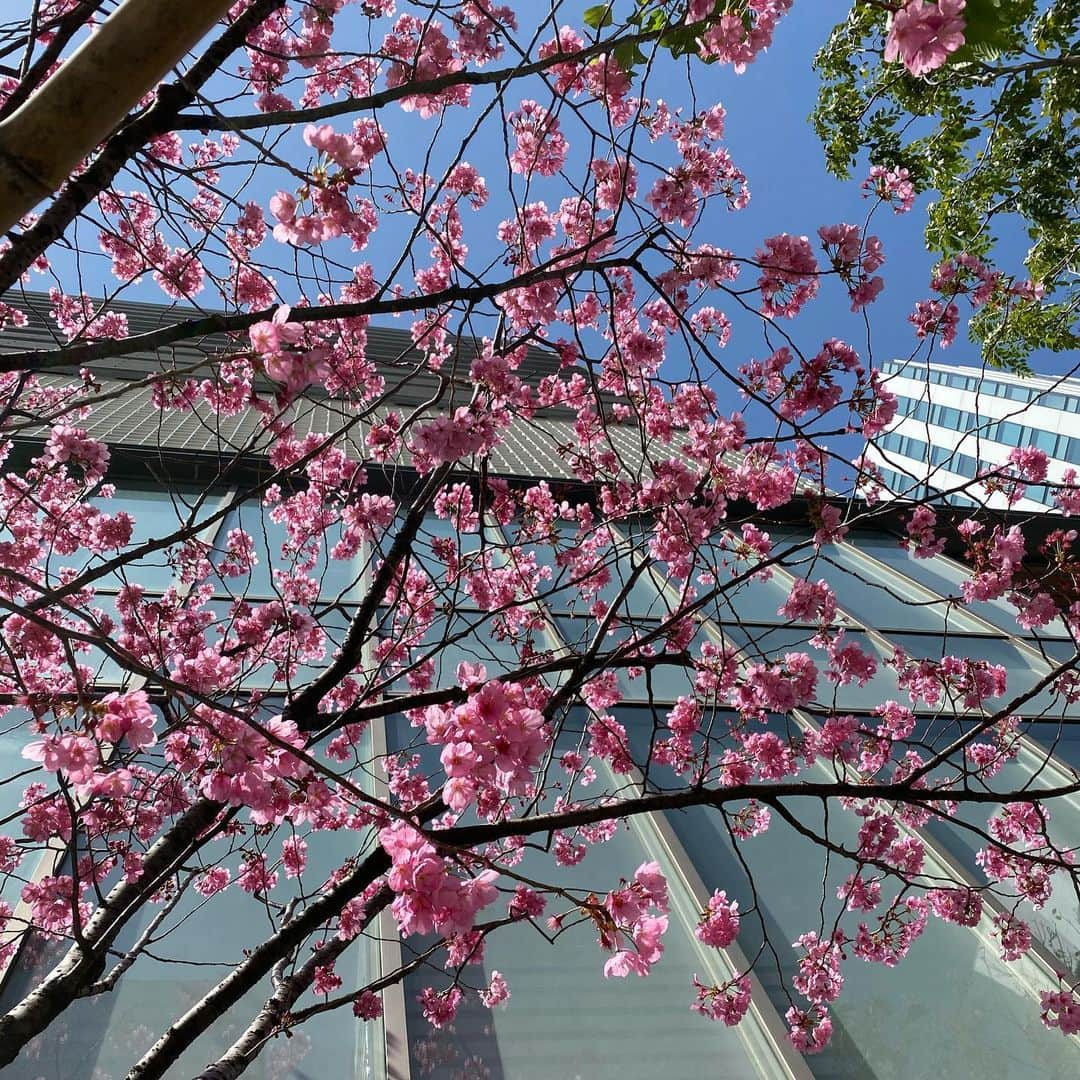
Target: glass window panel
x,y
1045,440
753,600
562,594
1062,738
1057,650
13,737
260,667
474,640
337,577
105,1035
1057,924
773,642
878,597
885,1023
108,670
158,512
662,683
944,577
564,1019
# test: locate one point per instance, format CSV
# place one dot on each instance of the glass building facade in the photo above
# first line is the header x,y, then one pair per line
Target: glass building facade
x,y
953,424
952,1009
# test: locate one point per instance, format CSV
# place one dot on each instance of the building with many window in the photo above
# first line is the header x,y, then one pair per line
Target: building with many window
x,y
952,1009
953,423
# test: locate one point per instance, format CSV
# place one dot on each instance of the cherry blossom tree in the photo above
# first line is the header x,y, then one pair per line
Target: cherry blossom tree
x,y
352,623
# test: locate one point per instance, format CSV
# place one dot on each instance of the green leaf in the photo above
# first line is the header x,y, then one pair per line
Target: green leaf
x,y
628,55
989,23
599,16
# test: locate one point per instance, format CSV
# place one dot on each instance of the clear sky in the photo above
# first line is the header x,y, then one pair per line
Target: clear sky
x,y
769,137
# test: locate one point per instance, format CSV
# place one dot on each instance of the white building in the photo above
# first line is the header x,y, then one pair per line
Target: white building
x,y
955,422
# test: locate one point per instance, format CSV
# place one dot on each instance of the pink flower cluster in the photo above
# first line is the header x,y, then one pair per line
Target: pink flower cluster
x,y
920,529
421,52
236,764
719,925
960,906
995,562
452,437
491,744
126,717
1061,1010
727,1002
896,931
819,979
439,1007
680,193
776,687
76,756
789,275
354,152
276,341
541,146
891,185
1014,935
923,35
729,39
810,601
637,914
809,1030
855,258
332,215
428,896
936,318
970,681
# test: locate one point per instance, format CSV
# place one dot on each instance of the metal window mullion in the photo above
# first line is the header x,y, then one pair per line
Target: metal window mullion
x,y
937,854
1033,971
1063,772
768,1025
395,1035
884,638
991,628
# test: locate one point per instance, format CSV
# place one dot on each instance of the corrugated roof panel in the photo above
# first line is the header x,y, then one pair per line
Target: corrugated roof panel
x,y
540,447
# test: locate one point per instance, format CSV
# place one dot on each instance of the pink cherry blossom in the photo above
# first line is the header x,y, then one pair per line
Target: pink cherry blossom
x,y
923,35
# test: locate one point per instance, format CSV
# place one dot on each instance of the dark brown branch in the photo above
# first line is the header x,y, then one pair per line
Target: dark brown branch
x,y
188,329
258,963
270,1017
202,122
84,964
303,708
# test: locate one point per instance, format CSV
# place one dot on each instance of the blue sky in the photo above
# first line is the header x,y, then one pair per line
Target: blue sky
x,y
769,137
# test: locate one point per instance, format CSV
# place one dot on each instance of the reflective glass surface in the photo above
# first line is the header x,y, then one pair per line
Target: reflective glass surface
x,y
887,1021
564,1019
104,1036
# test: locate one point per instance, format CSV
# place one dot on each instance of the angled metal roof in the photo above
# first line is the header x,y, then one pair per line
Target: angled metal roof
x,y
126,417
390,348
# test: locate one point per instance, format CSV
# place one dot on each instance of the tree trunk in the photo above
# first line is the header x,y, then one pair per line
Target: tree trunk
x,y
91,92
